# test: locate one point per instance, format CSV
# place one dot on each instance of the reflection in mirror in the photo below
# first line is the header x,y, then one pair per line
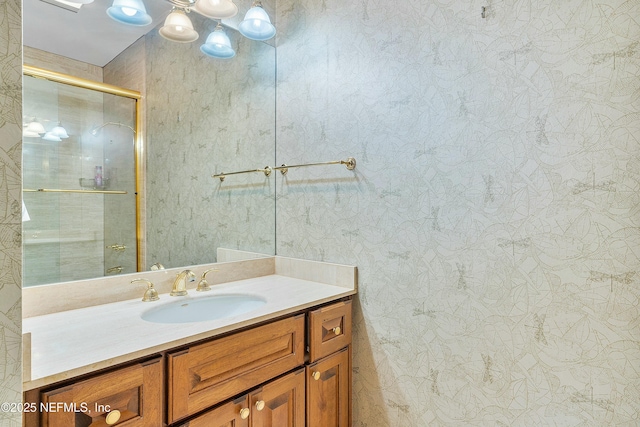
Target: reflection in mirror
x,y
79,182
208,116
201,116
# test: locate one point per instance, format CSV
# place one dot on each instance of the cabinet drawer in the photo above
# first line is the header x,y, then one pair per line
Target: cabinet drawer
x,y
130,396
329,329
209,373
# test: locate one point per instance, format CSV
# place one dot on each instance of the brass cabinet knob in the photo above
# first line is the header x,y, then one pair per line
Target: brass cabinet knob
x,y
244,413
260,405
316,375
112,417
337,330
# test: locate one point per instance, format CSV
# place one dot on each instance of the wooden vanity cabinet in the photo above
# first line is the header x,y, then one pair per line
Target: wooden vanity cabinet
x,y
257,377
130,396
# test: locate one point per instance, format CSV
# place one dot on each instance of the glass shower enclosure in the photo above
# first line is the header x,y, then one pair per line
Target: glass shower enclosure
x,y
80,179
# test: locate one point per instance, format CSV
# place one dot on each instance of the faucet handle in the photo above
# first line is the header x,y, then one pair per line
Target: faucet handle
x,y
202,284
150,294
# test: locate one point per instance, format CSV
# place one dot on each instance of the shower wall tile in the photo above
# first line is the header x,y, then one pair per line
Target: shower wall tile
x,y
61,64
10,209
75,219
493,214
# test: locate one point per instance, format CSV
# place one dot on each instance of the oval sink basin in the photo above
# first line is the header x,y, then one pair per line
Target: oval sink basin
x,y
203,309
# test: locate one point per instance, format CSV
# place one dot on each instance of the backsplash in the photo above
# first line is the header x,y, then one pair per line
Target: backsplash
x,y
10,209
493,214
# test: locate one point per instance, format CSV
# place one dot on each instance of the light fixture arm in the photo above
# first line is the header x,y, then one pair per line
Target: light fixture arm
x,y
183,4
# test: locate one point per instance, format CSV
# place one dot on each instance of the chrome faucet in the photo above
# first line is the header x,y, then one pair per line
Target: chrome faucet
x,y
180,284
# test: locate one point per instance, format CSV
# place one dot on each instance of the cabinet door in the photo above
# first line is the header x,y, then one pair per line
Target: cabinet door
x,y
328,391
231,414
130,395
280,403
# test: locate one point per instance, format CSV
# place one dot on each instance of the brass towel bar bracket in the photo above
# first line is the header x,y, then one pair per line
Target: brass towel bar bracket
x,y
350,163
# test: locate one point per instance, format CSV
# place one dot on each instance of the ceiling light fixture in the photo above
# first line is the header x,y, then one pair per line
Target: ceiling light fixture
x,y
256,24
216,9
218,44
130,12
178,27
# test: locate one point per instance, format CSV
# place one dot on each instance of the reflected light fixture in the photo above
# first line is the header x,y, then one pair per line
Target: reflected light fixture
x,y
34,128
256,24
59,131
131,12
216,9
49,136
218,44
27,134
178,27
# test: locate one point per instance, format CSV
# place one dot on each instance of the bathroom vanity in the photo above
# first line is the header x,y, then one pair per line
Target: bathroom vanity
x,y
285,363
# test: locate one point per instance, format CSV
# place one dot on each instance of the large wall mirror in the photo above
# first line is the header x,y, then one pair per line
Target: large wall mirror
x,y
200,116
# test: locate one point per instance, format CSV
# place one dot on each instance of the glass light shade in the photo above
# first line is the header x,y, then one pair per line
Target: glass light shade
x,y
216,9
131,12
60,132
49,136
218,45
257,25
29,134
178,28
35,127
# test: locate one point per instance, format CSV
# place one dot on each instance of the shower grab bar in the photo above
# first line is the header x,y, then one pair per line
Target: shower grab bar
x,y
350,163
52,190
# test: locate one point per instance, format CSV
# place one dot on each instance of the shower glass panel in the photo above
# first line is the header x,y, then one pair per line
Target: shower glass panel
x,y
79,192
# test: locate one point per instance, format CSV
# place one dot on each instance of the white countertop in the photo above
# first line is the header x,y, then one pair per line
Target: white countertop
x,y
75,342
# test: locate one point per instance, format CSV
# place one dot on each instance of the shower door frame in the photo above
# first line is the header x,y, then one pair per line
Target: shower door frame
x,y
138,145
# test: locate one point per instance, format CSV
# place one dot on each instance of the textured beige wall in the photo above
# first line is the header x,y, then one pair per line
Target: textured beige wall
x,y
493,215
10,209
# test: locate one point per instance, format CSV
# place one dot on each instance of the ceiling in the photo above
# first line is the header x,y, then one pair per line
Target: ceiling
x,y
88,35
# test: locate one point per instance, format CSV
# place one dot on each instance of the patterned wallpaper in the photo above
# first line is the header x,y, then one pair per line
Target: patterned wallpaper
x,y
10,208
494,213
207,116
